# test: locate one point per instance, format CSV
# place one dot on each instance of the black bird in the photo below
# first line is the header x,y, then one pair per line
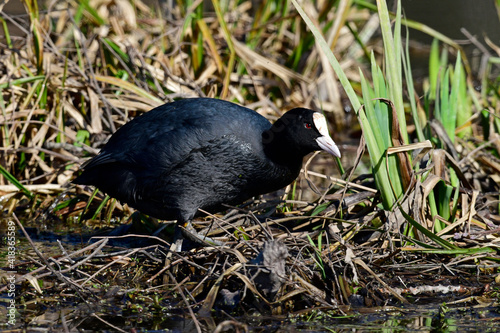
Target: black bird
x,y
202,153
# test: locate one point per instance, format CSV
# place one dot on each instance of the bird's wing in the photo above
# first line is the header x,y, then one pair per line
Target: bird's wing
x,y
153,142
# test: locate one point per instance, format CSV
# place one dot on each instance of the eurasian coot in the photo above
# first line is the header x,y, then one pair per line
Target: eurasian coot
x,y
201,153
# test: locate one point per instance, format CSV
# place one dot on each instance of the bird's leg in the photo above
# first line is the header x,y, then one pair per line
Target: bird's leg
x,y
177,241
190,233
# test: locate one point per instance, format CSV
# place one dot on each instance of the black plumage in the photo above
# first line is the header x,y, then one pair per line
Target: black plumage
x,y
202,153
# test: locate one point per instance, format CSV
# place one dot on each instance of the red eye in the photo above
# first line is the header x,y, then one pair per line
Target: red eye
x,y
308,125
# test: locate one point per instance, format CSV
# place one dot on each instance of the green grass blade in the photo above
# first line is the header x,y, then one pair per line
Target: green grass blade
x,y
376,147
434,67
101,206
92,13
15,182
419,118
436,239
463,109
353,98
392,52
89,202
8,40
472,251
116,49
446,112
230,45
21,81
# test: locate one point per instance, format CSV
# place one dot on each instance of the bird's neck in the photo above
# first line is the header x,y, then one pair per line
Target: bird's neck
x,y
279,149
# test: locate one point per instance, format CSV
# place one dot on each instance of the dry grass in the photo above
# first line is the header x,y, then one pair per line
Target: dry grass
x,y
71,80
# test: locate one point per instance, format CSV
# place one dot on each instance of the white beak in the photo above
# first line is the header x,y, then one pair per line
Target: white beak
x,y
325,142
